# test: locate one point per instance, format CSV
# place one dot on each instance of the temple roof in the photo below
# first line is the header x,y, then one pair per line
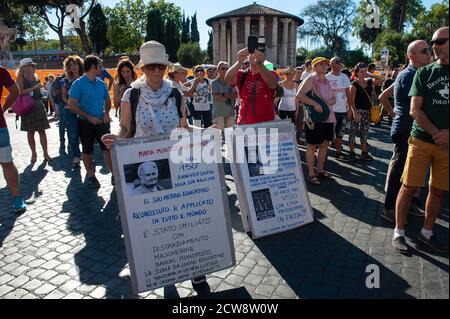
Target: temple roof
x,y
254,10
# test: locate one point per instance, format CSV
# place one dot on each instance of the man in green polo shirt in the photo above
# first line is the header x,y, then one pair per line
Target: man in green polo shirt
x,y
428,145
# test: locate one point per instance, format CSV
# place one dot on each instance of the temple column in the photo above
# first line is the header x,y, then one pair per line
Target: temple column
x,y
274,56
284,44
223,40
216,42
233,40
292,43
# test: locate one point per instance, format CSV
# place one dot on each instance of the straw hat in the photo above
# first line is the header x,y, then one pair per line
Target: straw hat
x,y
318,60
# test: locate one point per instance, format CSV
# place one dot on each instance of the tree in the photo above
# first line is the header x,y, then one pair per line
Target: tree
x,y
195,35
98,29
403,11
428,22
126,29
43,8
173,40
210,46
35,29
169,12
190,54
80,27
330,21
155,27
394,15
185,32
397,45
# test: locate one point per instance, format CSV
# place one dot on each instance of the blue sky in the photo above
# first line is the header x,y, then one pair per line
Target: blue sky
x,y
208,8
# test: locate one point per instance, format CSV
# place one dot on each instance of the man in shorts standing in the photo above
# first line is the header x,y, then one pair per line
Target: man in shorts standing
x,y
341,86
6,160
428,145
89,98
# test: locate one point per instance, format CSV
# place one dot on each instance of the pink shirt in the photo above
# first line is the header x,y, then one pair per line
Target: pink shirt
x,y
326,92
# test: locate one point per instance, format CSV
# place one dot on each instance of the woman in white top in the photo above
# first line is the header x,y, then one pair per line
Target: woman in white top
x,y
288,106
156,112
200,92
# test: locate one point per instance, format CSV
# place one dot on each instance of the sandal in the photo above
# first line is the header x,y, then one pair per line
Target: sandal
x,y
325,175
313,180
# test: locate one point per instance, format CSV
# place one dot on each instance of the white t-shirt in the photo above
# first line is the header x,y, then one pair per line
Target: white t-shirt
x,y
202,97
340,84
304,75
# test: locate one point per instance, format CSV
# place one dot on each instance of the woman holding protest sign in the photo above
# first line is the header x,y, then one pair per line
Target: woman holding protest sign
x,y
151,106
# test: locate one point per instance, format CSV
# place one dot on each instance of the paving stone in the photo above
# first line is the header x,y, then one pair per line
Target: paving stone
x,y
68,244
19,281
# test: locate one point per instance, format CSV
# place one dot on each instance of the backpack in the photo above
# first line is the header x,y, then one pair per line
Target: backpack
x,y
55,89
134,100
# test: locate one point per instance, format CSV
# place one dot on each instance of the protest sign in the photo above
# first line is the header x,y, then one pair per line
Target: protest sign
x,y
269,180
175,216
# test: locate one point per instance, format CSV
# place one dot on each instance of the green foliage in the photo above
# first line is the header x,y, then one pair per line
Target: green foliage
x,y
185,32
189,54
210,46
330,21
98,29
394,15
195,35
428,22
126,25
397,45
155,27
173,40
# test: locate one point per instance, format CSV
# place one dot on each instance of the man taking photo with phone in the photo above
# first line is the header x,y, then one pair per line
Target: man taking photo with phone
x,y
256,87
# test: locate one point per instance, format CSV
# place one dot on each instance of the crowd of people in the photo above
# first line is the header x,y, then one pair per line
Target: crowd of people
x,y
324,100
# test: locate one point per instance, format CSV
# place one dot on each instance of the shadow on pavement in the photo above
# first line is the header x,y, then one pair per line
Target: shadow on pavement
x,y
102,260
318,263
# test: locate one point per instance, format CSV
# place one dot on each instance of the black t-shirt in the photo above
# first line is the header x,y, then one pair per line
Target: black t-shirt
x,y
363,97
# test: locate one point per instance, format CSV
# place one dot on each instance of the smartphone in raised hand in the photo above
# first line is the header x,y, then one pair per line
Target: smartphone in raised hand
x,y
252,44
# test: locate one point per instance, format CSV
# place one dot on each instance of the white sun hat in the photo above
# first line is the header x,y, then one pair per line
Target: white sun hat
x,y
153,52
26,61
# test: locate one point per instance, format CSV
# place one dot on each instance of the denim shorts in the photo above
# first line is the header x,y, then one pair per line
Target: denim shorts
x,y
5,146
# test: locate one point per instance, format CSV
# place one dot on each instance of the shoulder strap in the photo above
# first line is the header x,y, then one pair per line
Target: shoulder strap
x,y
244,76
177,95
134,99
367,94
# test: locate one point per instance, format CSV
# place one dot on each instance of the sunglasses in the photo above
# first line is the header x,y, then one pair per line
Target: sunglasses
x,y
199,70
153,67
439,41
425,51
361,65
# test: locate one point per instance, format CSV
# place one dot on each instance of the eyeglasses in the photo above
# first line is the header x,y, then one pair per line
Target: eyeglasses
x,y
153,67
439,41
426,51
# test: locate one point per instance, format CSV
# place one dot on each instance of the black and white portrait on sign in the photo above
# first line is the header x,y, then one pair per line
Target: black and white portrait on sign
x,y
148,177
262,201
255,167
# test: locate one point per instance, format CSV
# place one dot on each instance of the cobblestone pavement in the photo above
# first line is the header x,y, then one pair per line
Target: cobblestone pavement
x,y
68,244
